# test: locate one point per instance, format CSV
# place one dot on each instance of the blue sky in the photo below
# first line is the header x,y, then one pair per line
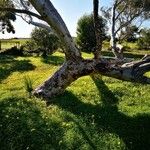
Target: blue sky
x,y
70,10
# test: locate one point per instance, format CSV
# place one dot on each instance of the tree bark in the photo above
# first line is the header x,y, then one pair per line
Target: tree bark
x,y
98,32
75,66
51,16
71,71
118,55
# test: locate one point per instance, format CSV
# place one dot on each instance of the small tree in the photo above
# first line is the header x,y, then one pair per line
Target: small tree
x,y
86,39
44,41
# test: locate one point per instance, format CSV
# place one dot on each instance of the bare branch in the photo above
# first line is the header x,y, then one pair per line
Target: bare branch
x,y
41,25
116,18
21,11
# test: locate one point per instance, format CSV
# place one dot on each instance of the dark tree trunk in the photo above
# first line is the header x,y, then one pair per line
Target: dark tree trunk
x,y
98,32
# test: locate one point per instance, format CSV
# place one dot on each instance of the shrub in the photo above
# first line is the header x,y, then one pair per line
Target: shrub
x,y
144,40
86,40
43,41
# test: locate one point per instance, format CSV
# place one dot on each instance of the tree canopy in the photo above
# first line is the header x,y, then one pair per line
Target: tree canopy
x,y
86,39
44,41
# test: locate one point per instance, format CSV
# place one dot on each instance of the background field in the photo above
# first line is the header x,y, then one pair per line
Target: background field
x,y
8,43
94,113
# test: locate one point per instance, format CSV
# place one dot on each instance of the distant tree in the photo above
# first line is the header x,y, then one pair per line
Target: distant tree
x,y
86,39
122,15
144,40
44,41
130,33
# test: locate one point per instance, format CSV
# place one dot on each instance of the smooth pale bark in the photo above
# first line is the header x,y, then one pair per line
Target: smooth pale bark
x,y
116,51
75,66
49,14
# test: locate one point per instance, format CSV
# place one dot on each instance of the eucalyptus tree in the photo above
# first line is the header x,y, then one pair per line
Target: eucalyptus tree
x,y
75,66
122,15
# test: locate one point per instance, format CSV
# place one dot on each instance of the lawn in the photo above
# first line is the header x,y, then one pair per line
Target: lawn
x,y
94,113
8,43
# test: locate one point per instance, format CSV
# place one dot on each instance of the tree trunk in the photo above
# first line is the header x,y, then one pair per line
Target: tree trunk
x,y
118,54
50,15
98,32
71,71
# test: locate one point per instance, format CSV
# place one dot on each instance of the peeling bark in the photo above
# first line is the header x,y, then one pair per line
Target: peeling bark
x,y
52,17
118,53
71,71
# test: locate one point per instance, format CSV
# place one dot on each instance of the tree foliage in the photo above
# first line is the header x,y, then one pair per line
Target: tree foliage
x,y
43,40
7,17
144,40
86,39
130,34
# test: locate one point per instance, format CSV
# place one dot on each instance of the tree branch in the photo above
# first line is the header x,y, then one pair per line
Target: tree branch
x,y
121,12
41,25
52,17
22,11
128,22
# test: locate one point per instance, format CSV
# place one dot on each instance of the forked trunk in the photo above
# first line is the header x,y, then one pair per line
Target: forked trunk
x,y
69,72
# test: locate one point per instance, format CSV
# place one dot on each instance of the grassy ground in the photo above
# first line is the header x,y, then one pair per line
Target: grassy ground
x,y
94,114
8,43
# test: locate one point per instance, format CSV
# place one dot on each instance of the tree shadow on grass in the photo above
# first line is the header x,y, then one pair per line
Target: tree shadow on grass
x,y
24,124
53,60
9,64
134,131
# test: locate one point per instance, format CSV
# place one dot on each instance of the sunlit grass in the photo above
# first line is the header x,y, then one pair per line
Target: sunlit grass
x,y
91,114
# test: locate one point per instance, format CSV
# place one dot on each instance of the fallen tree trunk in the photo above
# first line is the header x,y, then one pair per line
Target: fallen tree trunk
x,y
75,66
71,71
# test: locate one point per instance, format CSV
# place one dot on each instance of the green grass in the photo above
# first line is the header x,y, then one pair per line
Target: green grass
x,y
8,43
92,114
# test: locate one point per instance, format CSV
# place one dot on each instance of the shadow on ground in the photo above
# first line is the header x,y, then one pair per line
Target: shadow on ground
x,y
8,65
24,125
134,131
53,60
